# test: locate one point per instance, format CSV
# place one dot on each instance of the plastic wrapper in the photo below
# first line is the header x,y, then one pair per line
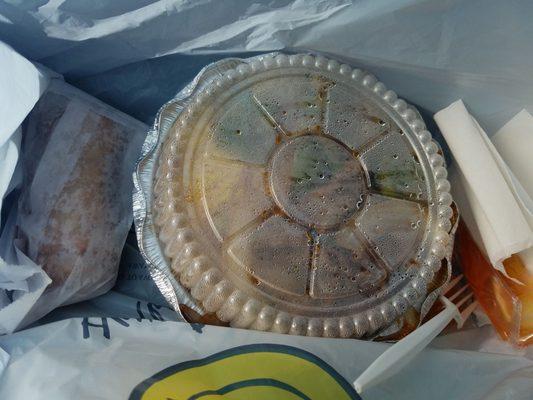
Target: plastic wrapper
x,y
74,209
507,299
496,205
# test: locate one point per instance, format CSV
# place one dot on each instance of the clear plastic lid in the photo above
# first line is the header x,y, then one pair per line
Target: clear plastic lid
x,y
297,195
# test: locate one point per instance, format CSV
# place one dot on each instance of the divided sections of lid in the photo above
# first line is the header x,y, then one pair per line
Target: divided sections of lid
x,y
317,181
309,200
234,195
275,252
241,132
293,104
394,168
394,228
354,119
345,266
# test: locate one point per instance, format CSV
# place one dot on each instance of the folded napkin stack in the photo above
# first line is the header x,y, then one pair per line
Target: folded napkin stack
x,y
492,181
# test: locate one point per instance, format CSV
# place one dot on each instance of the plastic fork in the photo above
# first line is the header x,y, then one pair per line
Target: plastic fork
x,y
454,298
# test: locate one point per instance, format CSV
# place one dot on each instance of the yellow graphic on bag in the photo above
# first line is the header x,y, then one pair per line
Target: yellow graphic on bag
x,y
258,372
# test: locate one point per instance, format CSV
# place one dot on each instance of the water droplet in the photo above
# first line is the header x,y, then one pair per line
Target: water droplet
x,y
321,176
395,156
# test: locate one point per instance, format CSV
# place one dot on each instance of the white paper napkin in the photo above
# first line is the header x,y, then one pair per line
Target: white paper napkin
x,y
493,202
514,143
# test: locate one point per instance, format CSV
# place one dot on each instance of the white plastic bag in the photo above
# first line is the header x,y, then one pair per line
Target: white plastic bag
x,y
137,54
119,358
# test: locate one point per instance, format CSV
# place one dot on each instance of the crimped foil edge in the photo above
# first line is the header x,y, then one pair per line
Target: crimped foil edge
x,y
149,246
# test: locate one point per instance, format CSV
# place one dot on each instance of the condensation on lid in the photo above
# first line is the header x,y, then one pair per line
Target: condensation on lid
x,y
298,195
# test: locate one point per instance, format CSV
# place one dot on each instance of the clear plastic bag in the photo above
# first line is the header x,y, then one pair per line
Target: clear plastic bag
x,y
74,209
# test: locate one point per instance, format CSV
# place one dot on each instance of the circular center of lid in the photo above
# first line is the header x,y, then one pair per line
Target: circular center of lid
x,y
317,181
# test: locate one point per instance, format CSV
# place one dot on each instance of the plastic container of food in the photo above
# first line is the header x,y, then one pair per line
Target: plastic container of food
x,y
294,194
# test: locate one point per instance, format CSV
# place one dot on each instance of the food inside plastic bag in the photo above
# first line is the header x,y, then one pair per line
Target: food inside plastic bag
x,y
507,300
75,207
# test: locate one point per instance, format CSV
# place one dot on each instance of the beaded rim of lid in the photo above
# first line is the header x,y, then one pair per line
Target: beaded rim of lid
x,y
234,305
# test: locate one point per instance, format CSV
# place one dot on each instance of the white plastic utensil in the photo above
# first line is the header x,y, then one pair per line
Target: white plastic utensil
x,y
401,353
